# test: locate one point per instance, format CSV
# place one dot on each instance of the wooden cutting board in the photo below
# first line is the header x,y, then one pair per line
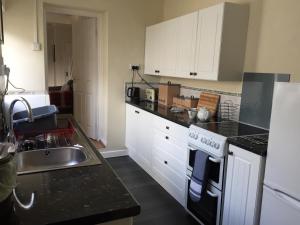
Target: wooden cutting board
x,y
210,101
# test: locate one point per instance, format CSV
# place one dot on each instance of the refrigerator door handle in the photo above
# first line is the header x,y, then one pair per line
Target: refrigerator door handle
x,y
290,200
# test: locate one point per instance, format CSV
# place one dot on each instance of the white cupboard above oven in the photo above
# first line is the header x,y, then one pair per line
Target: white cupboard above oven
x,y
208,44
243,189
159,146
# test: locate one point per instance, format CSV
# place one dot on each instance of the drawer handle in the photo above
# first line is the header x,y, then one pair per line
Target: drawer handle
x,y
136,111
230,153
211,194
166,162
167,137
214,160
168,128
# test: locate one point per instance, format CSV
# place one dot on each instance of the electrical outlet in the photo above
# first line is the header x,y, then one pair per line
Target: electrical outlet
x,y
134,66
36,46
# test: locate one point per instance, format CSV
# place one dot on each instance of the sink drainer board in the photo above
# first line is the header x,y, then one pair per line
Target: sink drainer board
x,y
62,137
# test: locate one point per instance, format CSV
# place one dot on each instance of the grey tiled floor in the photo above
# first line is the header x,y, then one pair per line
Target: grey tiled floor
x,y
157,206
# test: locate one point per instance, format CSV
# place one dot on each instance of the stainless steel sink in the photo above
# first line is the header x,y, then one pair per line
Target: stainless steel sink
x,y
53,158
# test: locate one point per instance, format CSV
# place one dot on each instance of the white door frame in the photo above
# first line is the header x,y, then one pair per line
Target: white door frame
x,y
101,97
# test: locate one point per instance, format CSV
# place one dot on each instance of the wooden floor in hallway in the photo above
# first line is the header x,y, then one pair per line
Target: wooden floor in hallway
x,y
157,206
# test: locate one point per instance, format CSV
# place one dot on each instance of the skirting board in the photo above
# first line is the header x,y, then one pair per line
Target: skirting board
x,y
114,153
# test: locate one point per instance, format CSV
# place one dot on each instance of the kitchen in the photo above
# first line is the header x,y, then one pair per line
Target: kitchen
x,y
215,45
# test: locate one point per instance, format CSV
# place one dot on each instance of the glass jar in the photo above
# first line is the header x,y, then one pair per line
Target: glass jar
x,y
8,174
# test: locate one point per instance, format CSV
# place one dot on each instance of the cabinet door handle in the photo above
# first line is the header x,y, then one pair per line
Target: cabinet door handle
x,y
167,127
195,74
191,74
167,137
230,153
137,112
166,162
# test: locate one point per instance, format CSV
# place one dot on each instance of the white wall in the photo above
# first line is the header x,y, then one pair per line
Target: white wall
x,y
125,22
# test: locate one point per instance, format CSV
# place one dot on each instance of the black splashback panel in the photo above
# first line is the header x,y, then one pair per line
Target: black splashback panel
x,y
257,97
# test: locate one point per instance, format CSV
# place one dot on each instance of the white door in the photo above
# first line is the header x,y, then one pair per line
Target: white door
x,y
85,74
144,137
160,49
279,209
132,123
59,41
282,166
167,50
152,51
186,45
209,42
241,189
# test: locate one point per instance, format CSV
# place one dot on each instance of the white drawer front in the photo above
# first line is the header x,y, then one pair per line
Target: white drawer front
x,y
177,164
163,178
169,167
171,128
170,145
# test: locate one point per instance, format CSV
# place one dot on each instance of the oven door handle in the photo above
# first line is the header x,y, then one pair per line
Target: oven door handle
x,y
214,160
211,194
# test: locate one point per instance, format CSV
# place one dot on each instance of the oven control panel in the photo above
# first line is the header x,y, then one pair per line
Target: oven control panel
x,y
204,139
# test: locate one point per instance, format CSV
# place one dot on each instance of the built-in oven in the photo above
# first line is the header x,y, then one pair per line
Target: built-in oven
x,y
216,167
207,211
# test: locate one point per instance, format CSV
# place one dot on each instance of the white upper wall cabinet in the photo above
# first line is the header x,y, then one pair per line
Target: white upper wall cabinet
x,y
161,48
186,36
208,44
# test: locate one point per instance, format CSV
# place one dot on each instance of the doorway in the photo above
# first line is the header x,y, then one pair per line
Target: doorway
x,y
72,66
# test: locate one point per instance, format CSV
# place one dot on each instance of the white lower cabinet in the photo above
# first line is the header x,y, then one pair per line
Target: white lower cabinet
x,y
243,187
139,135
159,146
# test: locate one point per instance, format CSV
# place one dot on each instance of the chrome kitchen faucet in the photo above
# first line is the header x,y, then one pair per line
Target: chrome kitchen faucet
x,y
11,135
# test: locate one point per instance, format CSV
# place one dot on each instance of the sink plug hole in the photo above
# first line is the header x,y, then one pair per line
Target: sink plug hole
x,y
47,152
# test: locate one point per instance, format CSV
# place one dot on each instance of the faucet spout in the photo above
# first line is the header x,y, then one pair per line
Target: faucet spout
x,y
11,135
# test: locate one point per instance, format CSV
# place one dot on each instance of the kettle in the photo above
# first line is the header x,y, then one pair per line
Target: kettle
x,y
203,114
133,93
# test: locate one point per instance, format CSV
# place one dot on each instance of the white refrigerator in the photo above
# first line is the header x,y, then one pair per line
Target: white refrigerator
x,y
281,193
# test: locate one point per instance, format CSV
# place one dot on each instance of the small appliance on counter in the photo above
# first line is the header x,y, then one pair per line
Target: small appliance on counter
x,y
167,92
151,94
133,93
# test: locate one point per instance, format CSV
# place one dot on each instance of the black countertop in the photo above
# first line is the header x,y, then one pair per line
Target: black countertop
x,y
82,195
181,118
233,130
257,144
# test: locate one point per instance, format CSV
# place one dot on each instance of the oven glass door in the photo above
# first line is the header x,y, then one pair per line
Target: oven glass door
x,y
208,209
216,168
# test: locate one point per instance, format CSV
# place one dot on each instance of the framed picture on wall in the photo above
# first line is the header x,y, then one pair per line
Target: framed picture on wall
x,y
1,24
